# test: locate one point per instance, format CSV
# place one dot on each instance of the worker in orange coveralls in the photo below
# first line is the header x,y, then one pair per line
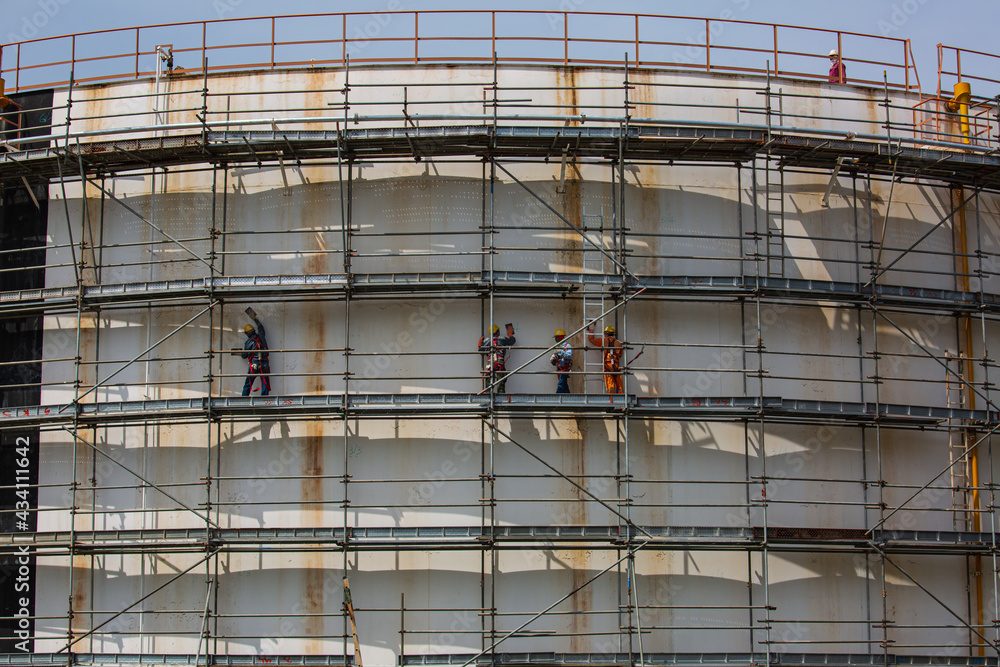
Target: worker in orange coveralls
x,y
612,347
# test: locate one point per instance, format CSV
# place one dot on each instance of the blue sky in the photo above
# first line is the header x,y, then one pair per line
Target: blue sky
x,y
970,24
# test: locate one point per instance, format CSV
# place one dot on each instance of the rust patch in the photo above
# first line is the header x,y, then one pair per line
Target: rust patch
x,y
567,94
312,515
313,603
574,463
312,465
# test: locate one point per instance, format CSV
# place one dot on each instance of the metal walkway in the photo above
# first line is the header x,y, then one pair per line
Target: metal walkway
x,y
339,406
449,538
662,143
473,283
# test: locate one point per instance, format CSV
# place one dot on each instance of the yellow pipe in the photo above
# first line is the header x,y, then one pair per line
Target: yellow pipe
x,y
960,103
958,196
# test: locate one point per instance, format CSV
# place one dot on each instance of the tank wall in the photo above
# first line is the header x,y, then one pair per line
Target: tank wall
x,y
445,216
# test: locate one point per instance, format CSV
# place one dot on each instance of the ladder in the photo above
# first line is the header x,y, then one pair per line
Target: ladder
x,y
595,267
774,201
774,214
955,395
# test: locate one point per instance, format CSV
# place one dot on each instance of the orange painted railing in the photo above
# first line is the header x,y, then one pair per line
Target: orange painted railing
x,y
950,71
466,36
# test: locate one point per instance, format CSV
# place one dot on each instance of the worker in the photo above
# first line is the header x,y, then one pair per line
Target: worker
x,y
495,351
255,352
838,71
612,358
562,359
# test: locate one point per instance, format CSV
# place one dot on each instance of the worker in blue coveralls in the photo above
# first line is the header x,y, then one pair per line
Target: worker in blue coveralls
x,y
255,352
562,359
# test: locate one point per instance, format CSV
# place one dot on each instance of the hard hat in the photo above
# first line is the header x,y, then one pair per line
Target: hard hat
x,y
494,329
247,328
834,52
559,332
609,329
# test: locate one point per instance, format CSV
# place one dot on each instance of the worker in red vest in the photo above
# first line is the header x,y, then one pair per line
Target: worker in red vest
x,y
255,352
838,71
495,351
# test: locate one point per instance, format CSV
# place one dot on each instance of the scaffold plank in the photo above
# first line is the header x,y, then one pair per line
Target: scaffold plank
x,y
718,144
41,301
708,408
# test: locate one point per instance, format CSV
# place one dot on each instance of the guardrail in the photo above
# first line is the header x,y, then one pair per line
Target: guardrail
x,y
465,36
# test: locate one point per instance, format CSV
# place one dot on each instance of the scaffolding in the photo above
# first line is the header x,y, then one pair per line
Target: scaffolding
x,y
606,273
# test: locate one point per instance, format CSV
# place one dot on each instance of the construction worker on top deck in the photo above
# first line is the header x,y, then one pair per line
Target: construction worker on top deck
x,y
495,357
255,352
562,359
612,351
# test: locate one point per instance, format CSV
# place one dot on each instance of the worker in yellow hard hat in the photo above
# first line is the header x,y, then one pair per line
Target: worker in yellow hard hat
x,y
562,359
612,347
255,352
495,350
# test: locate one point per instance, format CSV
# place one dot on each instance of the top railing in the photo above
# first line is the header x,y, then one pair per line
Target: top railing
x,y
721,44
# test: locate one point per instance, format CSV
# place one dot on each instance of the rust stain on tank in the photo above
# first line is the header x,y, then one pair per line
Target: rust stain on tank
x,y
312,469
312,516
567,94
574,465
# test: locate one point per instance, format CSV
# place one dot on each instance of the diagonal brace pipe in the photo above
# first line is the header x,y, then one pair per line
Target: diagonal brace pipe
x,y
568,223
140,477
568,479
922,238
968,450
138,356
936,599
142,599
138,215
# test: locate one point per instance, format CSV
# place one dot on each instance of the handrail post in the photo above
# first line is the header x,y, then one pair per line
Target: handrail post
x,y
204,45
272,42
940,49
137,53
493,38
906,63
775,54
416,37
343,43
636,40
565,38
72,54
708,46
842,70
